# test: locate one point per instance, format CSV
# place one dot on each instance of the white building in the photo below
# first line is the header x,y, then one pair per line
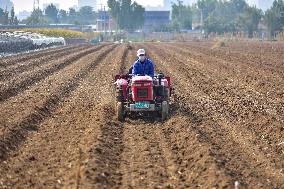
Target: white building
x,y
90,3
6,4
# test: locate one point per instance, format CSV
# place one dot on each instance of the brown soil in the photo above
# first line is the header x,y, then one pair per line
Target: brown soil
x,y
226,125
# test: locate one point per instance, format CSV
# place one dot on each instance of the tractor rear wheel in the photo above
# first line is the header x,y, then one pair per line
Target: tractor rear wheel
x,y
120,114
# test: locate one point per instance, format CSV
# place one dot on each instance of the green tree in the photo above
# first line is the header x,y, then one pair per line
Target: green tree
x,y
196,14
125,14
128,16
182,15
224,16
51,12
274,17
72,15
16,21
137,12
2,14
250,19
86,15
206,6
36,18
62,16
12,18
115,10
6,18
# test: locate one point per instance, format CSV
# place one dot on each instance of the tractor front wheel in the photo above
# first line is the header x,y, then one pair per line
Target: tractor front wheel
x,y
120,114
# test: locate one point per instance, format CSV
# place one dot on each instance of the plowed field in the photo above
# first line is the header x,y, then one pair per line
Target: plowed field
x,y
226,125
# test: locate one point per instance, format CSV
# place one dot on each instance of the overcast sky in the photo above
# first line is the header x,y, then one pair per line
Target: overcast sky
x,y
65,4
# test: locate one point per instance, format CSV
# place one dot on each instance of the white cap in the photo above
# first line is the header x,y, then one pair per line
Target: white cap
x,y
141,51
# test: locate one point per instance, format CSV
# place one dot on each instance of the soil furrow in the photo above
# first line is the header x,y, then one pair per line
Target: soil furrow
x,y
26,66
264,63
236,91
11,60
123,59
224,132
144,162
103,168
16,136
236,105
107,154
32,79
225,128
64,138
197,168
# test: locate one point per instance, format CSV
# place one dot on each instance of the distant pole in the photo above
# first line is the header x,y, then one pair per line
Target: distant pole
x,y
201,20
104,21
109,30
101,16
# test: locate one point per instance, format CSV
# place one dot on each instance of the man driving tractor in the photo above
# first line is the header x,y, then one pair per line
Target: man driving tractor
x,y
143,65
142,92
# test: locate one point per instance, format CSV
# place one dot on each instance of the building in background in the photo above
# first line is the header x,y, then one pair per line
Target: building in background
x,y
105,23
90,3
6,5
155,19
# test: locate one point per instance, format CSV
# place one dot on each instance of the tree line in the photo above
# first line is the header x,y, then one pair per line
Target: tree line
x,y
51,15
212,16
8,18
218,16
127,14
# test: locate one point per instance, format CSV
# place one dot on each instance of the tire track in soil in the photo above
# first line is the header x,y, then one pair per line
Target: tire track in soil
x,y
147,159
26,66
102,171
107,154
123,59
15,137
11,60
32,79
215,135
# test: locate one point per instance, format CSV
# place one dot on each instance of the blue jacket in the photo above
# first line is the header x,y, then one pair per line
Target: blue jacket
x,y
147,68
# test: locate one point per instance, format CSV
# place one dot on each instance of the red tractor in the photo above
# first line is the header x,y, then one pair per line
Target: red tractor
x,y
142,94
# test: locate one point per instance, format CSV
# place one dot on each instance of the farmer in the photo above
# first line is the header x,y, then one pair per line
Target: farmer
x,y
143,65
